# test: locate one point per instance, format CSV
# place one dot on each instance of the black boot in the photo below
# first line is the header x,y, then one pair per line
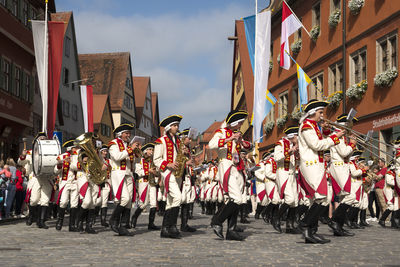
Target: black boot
x,y
218,219
135,216
337,221
278,214
32,215
363,218
231,233
122,230
103,217
243,208
43,216
127,222
258,211
384,217
55,210
267,213
72,219
163,204
60,219
354,222
203,209
396,219
82,215
308,224
152,216
219,206
324,218
173,232
116,218
38,212
89,222
96,213
165,224
184,219
191,210
291,228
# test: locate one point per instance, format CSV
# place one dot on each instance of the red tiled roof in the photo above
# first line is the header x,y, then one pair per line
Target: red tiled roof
x,y
62,16
99,104
209,133
107,73
154,103
140,86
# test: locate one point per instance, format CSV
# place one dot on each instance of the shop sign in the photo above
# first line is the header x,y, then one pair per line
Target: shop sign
x,y
386,122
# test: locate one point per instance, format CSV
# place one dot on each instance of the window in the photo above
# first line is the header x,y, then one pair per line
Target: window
x,y
316,15
66,77
335,78
358,66
295,98
27,85
386,52
297,34
283,104
34,14
74,111
36,84
128,102
316,87
65,108
147,104
25,16
67,46
335,5
6,75
105,130
14,7
128,82
18,79
3,2
271,115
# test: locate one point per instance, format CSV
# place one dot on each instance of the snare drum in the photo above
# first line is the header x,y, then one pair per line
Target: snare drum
x,y
44,156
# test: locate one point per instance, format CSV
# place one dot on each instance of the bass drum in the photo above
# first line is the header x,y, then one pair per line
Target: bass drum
x,y
44,156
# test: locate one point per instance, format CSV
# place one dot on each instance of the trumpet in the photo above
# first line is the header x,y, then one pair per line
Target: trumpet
x,y
361,139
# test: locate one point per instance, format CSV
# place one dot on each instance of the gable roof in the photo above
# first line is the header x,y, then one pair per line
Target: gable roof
x,y
209,132
107,73
154,103
99,104
140,87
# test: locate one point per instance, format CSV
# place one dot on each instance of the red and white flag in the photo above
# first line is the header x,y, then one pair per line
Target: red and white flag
x,y
87,107
290,24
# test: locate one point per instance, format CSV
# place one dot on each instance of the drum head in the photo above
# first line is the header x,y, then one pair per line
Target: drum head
x,y
36,157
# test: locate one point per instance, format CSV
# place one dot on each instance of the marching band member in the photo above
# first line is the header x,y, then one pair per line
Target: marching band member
x,y
33,189
341,180
284,156
364,193
106,187
270,168
187,184
203,180
396,213
68,193
211,183
357,175
147,186
391,196
230,173
122,159
261,193
311,172
165,156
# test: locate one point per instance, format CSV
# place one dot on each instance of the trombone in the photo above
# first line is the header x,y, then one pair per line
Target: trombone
x,y
362,139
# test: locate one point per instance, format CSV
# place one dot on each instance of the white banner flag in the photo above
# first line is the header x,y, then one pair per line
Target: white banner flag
x,y
261,64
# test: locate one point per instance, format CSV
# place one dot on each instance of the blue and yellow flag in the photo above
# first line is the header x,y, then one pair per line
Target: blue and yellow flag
x,y
304,81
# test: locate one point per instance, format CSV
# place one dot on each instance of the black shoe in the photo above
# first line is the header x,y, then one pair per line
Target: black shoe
x,y
321,239
33,215
89,222
72,218
231,234
363,218
185,218
227,211
309,237
135,216
173,218
82,216
60,219
383,218
123,230
243,219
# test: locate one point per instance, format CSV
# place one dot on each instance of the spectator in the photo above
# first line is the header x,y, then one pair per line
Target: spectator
x,y
379,184
3,188
11,186
19,190
372,199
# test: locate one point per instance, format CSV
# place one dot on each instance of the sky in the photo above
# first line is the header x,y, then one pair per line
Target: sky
x,y
181,44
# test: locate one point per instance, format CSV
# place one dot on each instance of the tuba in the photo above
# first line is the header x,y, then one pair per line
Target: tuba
x,y
181,159
94,165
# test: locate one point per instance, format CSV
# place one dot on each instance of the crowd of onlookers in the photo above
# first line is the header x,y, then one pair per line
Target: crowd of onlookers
x,y
13,184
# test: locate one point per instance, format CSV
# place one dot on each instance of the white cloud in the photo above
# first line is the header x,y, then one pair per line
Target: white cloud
x,y
169,48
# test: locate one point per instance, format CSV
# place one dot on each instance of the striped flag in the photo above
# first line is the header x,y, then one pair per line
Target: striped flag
x,y
87,107
290,24
304,81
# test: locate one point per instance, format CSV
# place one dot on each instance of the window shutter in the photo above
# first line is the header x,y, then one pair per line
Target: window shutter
x,y
12,79
23,90
21,10
31,90
1,73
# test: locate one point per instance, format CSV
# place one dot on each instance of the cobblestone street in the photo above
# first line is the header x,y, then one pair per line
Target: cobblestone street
x,y
29,246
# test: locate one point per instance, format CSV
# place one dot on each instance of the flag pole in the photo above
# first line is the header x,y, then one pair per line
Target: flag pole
x,y
297,19
255,56
322,93
45,69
